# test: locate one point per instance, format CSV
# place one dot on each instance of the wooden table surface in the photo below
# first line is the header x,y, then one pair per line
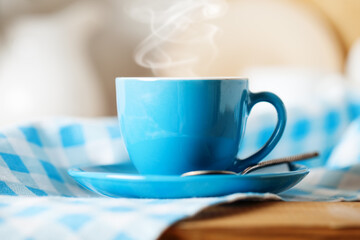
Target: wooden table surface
x,y
272,220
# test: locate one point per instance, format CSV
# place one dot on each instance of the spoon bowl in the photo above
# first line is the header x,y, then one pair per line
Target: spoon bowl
x,y
272,162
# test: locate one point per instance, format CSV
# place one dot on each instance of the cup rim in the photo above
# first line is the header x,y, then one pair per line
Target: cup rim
x,y
181,78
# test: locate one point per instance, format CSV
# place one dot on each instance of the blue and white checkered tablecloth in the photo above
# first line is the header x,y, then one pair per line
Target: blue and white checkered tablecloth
x,y
39,200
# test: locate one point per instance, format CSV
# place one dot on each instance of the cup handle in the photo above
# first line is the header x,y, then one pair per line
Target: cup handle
x,y
254,98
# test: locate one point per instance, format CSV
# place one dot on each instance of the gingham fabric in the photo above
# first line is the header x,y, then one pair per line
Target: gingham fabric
x,y
38,199
315,128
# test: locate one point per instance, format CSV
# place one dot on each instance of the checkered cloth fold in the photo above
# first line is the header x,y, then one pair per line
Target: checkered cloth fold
x,y
39,200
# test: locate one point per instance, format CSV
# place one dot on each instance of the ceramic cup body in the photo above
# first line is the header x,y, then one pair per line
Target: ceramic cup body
x,y
171,126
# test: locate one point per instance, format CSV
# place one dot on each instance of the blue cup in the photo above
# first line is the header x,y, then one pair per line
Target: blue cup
x,y
174,125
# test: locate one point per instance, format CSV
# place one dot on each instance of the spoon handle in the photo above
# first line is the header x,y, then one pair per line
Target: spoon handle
x,y
294,158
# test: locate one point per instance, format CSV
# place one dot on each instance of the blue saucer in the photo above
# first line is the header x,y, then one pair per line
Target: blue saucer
x,y
122,180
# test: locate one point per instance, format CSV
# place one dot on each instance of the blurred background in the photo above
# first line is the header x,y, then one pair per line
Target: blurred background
x,y
60,57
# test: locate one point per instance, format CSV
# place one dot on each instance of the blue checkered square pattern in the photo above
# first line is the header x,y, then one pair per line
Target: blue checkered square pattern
x,y
306,131
38,199
72,135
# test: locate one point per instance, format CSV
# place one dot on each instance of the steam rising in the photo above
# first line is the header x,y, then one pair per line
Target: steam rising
x,y
178,30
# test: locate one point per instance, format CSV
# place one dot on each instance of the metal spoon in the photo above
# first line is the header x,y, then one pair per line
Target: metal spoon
x,y
257,166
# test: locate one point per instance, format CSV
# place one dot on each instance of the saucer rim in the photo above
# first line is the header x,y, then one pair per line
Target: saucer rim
x,y
78,172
